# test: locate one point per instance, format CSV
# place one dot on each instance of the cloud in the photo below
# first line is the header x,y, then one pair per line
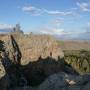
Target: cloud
x,y
62,34
60,31
5,26
58,12
89,24
84,6
38,11
57,21
32,10
88,27
52,32
56,32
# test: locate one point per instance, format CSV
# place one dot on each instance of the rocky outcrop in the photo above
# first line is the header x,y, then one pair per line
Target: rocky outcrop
x,y
34,46
62,81
10,73
44,52
2,70
44,66
3,82
3,76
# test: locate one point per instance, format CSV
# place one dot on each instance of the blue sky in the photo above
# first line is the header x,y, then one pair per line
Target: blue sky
x,y
60,17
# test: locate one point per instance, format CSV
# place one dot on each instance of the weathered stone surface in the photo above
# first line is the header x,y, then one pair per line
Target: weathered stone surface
x,y
59,82
2,70
34,46
54,82
3,78
86,87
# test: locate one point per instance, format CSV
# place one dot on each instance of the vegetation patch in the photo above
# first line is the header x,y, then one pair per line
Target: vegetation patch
x,y
79,59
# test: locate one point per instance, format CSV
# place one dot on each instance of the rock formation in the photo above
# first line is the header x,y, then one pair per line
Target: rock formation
x,y
62,81
2,70
3,75
34,46
35,62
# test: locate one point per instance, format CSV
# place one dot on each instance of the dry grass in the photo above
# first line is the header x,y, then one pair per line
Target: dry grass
x,y
74,45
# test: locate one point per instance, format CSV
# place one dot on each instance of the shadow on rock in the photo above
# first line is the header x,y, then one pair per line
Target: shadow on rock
x,y
36,72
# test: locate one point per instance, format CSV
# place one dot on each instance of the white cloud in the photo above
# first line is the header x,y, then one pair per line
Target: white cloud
x,y
52,32
60,32
58,12
57,21
5,26
89,24
32,10
55,32
84,6
88,28
38,11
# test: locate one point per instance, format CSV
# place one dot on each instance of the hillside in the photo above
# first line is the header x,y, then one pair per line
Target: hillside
x,y
74,44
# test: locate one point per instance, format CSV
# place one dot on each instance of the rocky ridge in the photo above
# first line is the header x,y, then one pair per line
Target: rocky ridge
x,y
34,46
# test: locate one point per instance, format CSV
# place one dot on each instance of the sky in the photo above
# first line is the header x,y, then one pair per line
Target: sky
x,y
64,18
